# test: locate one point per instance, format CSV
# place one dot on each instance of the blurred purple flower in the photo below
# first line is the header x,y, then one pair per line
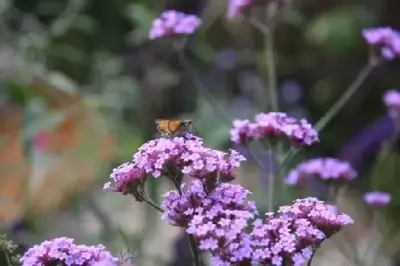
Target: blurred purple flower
x,y
237,7
391,98
63,251
127,179
377,199
291,236
385,39
291,91
226,59
274,126
325,169
173,23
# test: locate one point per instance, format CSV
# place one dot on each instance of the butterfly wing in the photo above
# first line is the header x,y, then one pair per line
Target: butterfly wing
x,y
178,127
162,126
175,126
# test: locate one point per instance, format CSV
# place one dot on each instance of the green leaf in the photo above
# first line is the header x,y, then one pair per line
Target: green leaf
x,y
142,17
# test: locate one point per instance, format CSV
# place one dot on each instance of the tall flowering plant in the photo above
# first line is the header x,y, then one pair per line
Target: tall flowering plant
x,y
216,214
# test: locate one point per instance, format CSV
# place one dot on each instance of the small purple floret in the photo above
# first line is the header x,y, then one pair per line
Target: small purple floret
x,y
274,126
172,23
385,39
377,199
326,169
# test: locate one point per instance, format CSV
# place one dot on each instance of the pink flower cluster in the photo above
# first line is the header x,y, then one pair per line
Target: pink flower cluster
x,y
174,157
292,235
386,39
216,220
236,7
392,100
325,169
219,222
126,179
274,126
173,23
377,199
63,251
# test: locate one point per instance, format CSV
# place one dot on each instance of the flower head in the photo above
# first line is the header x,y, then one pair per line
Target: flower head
x,y
385,39
326,169
291,235
377,198
178,156
173,22
127,178
237,7
274,126
217,220
63,251
392,101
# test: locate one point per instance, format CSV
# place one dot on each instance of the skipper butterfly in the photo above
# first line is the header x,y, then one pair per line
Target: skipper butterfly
x,y
173,127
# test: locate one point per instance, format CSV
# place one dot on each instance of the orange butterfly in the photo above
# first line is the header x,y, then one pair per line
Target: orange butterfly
x,y
173,127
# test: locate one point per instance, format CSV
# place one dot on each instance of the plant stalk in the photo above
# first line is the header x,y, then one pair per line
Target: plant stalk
x,y
349,92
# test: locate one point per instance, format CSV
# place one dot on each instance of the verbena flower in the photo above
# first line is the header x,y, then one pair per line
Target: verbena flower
x,y
385,39
377,198
217,220
174,157
237,7
391,98
326,169
63,251
291,236
127,179
172,23
274,126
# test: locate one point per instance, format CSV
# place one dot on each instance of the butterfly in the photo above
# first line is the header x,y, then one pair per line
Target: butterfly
x,y
173,127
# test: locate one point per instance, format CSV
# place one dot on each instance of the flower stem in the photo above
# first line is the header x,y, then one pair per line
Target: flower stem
x,y
192,241
151,203
194,250
349,92
271,71
271,179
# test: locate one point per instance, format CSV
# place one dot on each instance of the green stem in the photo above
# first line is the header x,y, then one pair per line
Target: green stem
x,y
192,241
151,203
286,158
271,180
194,250
349,92
271,71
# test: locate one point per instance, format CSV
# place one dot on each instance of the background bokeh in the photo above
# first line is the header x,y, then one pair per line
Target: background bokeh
x,y
81,86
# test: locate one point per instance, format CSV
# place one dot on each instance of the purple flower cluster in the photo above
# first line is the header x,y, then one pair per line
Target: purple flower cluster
x,y
392,100
217,220
274,126
291,236
326,169
237,7
164,156
386,39
377,199
63,251
174,157
173,23
126,179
